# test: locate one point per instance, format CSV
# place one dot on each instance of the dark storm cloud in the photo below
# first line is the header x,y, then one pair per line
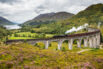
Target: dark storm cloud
x,y
9,1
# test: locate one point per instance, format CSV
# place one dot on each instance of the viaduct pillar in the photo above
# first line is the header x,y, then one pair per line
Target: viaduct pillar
x,y
94,42
98,40
46,44
91,42
86,42
79,43
70,44
60,44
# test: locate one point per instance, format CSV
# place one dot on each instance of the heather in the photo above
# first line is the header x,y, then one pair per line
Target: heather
x,y
25,56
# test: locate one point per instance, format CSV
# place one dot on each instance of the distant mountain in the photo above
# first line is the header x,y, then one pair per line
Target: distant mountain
x,y
4,21
92,15
49,18
43,16
53,16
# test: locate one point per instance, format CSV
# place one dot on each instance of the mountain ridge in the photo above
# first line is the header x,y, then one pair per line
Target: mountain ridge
x,y
49,18
53,16
4,21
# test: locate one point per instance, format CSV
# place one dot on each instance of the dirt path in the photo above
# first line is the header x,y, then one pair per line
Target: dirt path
x,y
83,50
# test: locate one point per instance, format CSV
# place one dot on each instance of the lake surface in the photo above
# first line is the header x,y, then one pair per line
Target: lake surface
x,y
10,27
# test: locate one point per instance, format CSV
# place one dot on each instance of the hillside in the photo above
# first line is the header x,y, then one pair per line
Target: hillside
x,y
92,15
3,32
49,18
4,21
24,56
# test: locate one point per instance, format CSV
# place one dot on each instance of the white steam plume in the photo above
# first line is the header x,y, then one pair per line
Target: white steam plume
x,y
74,29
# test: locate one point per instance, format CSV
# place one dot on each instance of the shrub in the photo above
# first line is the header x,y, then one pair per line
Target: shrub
x,y
63,49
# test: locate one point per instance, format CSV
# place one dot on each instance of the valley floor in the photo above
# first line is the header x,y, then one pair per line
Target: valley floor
x,y
28,35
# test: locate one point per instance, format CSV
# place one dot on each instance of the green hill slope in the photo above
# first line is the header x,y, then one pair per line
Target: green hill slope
x,y
3,32
4,21
92,15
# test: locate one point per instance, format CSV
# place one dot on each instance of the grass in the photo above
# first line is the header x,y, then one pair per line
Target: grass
x,y
49,35
27,35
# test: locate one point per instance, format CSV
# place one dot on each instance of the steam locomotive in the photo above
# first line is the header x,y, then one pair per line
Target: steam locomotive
x,y
58,36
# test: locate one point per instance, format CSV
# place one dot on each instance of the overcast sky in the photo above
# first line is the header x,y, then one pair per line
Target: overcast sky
x,y
20,11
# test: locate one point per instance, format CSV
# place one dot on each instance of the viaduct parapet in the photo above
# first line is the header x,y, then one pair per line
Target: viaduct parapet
x,y
91,39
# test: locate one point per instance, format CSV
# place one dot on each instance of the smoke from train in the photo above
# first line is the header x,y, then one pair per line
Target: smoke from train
x,y
74,29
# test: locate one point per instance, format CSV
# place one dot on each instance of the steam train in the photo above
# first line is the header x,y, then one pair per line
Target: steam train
x,y
58,36
75,35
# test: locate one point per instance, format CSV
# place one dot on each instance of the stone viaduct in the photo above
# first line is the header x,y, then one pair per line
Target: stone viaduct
x,y
91,39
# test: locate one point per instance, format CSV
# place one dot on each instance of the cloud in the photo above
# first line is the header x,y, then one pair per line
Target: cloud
x,y
9,1
23,10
